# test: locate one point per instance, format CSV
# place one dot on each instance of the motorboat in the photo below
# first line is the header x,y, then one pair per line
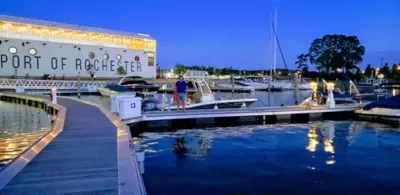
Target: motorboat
x,y
203,98
236,86
114,89
139,85
385,110
353,95
257,84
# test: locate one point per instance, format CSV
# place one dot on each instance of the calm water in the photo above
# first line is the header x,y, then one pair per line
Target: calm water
x,y
20,126
316,158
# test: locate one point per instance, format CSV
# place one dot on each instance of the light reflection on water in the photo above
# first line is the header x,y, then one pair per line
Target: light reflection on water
x,y
342,155
20,126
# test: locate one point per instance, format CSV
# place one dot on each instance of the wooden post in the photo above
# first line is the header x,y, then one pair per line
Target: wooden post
x,y
296,88
79,84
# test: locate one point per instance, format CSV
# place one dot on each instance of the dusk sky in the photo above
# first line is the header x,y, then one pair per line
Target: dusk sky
x,y
233,33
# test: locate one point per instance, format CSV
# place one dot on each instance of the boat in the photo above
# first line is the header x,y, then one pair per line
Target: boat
x,y
256,83
236,86
353,95
139,85
203,98
113,89
385,110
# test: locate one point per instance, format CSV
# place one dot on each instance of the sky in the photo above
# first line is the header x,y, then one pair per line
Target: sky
x,y
225,33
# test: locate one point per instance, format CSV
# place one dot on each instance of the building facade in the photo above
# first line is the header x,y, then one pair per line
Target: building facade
x,y
34,48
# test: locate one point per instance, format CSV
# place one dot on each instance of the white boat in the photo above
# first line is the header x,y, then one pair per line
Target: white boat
x,y
386,110
113,89
203,98
236,86
257,84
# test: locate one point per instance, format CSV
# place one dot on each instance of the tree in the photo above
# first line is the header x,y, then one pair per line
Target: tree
x,y
121,71
359,75
336,51
302,61
210,70
395,71
179,69
368,71
385,70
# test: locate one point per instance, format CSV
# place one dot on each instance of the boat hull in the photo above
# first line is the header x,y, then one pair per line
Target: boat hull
x,y
212,104
107,92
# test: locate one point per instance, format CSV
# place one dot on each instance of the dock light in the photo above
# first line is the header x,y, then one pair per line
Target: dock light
x,y
330,85
279,73
338,70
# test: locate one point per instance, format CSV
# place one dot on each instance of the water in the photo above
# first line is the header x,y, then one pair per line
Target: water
x,y
316,158
20,127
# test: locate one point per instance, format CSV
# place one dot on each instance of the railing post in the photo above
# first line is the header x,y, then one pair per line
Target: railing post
x,y
79,84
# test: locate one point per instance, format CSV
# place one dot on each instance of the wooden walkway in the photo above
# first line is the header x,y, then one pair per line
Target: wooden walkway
x,y
82,159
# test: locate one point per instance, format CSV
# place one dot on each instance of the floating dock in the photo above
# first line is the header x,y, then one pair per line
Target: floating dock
x,y
88,151
269,115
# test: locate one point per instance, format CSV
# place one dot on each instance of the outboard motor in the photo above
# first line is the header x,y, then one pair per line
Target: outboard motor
x,y
150,105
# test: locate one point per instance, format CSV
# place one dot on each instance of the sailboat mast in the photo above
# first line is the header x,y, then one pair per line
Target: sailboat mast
x,y
276,31
271,34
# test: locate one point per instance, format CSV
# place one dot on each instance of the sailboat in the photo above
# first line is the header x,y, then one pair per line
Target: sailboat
x,y
279,81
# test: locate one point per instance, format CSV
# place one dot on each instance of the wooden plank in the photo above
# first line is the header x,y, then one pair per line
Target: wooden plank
x,y
81,159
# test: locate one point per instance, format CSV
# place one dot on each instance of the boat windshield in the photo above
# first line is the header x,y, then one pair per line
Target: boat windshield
x,y
134,81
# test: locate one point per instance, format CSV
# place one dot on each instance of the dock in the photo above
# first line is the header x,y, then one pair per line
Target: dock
x,y
267,115
217,89
90,153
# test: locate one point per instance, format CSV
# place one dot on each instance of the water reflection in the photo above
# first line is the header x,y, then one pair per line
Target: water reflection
x,y
227,159
20,126
325,134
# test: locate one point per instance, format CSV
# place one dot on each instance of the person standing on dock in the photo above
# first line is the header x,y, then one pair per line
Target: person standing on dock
x,y
182,89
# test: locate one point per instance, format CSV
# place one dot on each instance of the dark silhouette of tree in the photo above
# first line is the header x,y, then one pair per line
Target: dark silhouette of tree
x,y
368,71
302,62
385,70
336,51
395,71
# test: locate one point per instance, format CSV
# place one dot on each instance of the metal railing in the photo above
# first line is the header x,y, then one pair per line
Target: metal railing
x,y
47,84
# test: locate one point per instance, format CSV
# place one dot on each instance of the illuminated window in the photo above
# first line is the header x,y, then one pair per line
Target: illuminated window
x,y
12,50
106,56
91,55
119,57
32,51
150,56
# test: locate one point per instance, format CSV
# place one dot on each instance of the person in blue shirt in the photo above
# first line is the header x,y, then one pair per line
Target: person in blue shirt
x,y
182,89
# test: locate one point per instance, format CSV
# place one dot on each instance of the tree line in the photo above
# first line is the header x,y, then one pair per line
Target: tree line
x,y
331,53
181,69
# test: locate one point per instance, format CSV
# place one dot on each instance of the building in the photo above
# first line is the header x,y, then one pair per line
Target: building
x,y
34,48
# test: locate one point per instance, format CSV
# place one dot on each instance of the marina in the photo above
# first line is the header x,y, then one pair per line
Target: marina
x,y
230,105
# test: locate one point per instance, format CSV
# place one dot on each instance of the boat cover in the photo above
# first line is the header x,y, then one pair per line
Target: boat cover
x,y
392,103
117,88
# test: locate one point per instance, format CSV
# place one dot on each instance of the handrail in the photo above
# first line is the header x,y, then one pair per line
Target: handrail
x,y
47,84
